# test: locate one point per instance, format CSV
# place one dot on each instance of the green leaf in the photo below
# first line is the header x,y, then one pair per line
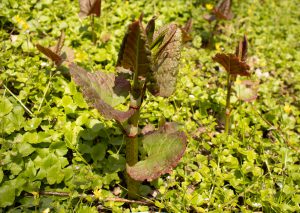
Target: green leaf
x,y
166,60
7,195
104,91
135,54
25,149
165,148
5,106
98,151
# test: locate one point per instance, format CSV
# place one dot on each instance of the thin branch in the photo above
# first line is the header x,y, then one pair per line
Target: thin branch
x,y
15,97
83,196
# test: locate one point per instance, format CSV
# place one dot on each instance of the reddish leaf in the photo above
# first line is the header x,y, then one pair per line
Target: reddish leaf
x,y
88,7
58,53
186,31
232,64
150,29
102,91
165,148
223,10
134,54
56,58
242,49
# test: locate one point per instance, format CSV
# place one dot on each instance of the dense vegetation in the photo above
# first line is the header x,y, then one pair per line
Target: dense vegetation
x,y
58,154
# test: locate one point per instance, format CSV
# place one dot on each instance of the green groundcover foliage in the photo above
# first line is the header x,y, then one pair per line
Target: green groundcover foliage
x,y
59,154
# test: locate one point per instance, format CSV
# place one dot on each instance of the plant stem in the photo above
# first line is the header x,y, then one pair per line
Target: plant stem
x,y
132,144
93,28
228,109
15,97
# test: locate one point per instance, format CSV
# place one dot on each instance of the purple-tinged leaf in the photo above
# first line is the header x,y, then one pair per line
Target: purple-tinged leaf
x,y
232,64
150,29
103,91
223,10
166,58
242,49
165,148
246,90
186,31
134,54
88,7
53,56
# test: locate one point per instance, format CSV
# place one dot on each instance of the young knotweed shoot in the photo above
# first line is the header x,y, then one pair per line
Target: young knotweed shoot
x,y
90,8
234,64
58,53
221,12
148,60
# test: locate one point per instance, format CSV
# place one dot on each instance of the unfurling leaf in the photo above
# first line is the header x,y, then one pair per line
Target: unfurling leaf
x,y
166,55
135,54
103,91
88,7
53,56
165,148
58,53
186,31
150,29
232,64
242,49
223,10
246,90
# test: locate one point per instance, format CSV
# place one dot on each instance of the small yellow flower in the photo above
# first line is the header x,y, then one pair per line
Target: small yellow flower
x,y
238,82
21,22
97,193
46,210
218,46
81,56
287,108
209,6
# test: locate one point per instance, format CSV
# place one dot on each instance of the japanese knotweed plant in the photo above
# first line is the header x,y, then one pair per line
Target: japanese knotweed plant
x,y
234,64
90,8
148,60
220,12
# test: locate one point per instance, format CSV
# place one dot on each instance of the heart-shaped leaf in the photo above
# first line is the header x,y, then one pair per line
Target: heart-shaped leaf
x,y
88,7
134,54
165,148
232,64
166,60
104,91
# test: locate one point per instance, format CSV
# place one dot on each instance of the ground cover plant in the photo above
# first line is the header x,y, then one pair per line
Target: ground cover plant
x,y
58,154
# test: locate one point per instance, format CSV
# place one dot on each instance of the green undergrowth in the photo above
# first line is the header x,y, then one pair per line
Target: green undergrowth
x,y
52,141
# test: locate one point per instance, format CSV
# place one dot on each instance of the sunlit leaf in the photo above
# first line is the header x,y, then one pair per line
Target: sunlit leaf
x,y
166,60
101,90
88,7
165,148
232,64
